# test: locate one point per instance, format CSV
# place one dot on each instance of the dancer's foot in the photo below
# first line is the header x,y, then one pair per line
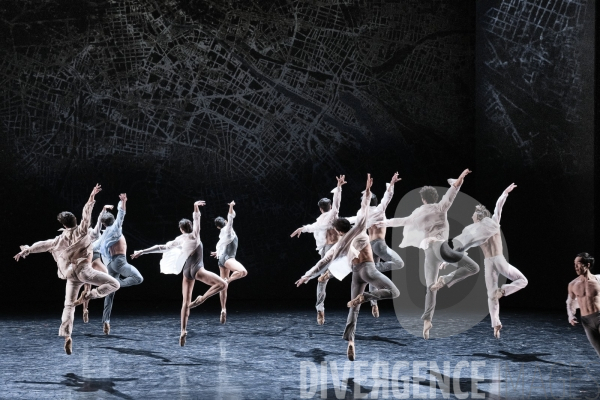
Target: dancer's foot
x,y
438,285
320,317
86,316
182,338
199,300
68,345
106,328
325,277
497,294
375,311
351,351
81,299
497,331
426,327
223,318
357,301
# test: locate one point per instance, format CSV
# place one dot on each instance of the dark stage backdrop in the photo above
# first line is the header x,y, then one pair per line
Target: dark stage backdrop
x,y
264,102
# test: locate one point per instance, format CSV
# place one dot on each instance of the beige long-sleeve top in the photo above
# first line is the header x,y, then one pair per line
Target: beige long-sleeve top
x,y
325,220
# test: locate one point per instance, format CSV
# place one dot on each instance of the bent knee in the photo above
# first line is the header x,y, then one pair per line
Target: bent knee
x,y
243,273
139,279
395,292
524,281
222,285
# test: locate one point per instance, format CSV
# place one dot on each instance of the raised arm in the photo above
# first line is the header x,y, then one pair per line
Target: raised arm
x,y
122,210
337,194
196,217
451,193
86,216
389,193
230,216
501,201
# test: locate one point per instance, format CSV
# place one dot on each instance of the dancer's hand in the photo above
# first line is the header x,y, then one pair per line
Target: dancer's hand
x,y
19,255
461,178
214,254
302,280
107,207
297,232
123,197
341,180
573,321
369,183
395,179
200,203
443,265
95,191
231,204
137,253
510,188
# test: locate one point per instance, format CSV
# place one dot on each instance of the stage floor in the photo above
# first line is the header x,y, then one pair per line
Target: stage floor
x,y
286,355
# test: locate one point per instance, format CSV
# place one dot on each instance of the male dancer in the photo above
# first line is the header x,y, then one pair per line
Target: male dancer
x,y
485,233
584,292
185,252
427,228
352,253
325,237
97,263
381,251
226,251
72,251
113,246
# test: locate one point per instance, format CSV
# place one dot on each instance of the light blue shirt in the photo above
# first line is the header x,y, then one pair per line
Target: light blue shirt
x,y
111,234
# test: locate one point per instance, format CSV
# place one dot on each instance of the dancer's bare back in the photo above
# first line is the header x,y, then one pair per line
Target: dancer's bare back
x,y
493,246
119,248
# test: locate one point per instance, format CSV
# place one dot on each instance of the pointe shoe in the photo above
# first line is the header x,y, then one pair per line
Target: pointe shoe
x,y
357,301
182,338
351,352
106,328
81,299
68,345
199,300
427,325
325,277
223,318
498,293
497,331
438,285
320,317
86,316
375,311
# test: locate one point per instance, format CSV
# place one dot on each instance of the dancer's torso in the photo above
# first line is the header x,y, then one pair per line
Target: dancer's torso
x,y
493,246
331,236
120,247
376,233
588,294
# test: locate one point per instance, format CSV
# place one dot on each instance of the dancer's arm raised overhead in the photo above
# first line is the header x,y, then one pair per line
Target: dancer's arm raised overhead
x,y
389,193
450,195
86,216
501,201
196,217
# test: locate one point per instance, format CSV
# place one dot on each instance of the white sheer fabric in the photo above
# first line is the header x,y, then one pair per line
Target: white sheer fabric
x,y
325,220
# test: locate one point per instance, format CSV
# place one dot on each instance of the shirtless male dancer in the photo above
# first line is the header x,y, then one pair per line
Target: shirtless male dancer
x,y
354,251
325,237
97,263
226,251
187,250
427,228
72,251
584,292
386,259
485,233
113,246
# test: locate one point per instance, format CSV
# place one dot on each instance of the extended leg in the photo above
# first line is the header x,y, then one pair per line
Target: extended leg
x,y
358,287
108,301
491,284
66,326
98,266
215,282
224,272
237,268
187,286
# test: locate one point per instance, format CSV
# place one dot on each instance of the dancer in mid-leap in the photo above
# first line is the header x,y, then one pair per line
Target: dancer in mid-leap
x,y
325,237
113,247
230,269
97,263
427,228
185,252
584,293
485,233
72,251
352,253
386,259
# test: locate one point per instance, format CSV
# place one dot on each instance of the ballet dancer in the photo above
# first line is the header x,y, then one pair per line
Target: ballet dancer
x,y
72,251
226,251
186,253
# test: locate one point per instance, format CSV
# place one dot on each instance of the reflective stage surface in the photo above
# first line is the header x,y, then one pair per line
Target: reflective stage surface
x,y
286,355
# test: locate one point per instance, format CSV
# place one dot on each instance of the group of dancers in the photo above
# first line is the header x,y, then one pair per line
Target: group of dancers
x,y
90,256
362,251
81,252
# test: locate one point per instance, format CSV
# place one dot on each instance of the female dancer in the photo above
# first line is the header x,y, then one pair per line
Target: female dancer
x,y
185,252
226,250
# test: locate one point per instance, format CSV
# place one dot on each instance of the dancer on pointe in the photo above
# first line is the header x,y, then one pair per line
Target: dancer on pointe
x,y
113,247
325,237
185,252
72,251
97,263
584,293
427,228
352,253
485,233
226,251
385,258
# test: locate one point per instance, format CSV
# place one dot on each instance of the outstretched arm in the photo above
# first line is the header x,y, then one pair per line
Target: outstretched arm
x,y
501,201
389,193
318,266
159,248
37,247
451,193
